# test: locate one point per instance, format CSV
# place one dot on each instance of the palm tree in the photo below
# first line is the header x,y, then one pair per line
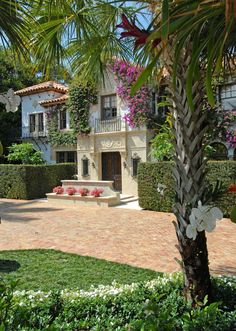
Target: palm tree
x,y
15,24
81,34
192,39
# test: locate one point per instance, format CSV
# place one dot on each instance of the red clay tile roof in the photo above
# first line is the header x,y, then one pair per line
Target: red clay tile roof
x,y
46,86
56,101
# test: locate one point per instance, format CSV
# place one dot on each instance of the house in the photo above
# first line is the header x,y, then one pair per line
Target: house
x,y
112,150
37,102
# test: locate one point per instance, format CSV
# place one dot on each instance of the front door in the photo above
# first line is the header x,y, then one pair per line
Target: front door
x,y
111,168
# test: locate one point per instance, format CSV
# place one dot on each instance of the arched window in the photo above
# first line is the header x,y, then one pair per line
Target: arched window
x,y
219,151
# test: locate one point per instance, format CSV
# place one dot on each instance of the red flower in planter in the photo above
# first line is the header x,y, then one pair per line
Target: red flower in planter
x,y
58,190
232,188
96,192
83,191
70,190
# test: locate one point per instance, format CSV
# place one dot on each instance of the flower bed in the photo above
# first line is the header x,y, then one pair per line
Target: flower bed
x,y
124,307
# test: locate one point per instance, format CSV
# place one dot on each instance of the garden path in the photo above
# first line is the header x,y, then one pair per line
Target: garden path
x,y
136,237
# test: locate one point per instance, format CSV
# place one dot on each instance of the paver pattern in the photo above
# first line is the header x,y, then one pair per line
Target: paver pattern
x,y
139,238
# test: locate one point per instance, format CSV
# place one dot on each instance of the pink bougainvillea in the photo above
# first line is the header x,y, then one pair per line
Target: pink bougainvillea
x,y
230,130
139,105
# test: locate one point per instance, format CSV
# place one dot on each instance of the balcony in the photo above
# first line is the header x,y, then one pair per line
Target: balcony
x,y
109,125
35,132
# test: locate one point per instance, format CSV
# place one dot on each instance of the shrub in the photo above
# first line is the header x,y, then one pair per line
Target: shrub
x,y
152,305
151,175
32,181
24,154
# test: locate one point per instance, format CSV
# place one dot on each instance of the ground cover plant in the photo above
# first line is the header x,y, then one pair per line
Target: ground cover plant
x,y
49,269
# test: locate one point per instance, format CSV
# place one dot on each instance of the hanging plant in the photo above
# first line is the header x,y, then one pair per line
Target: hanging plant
x,y
80,99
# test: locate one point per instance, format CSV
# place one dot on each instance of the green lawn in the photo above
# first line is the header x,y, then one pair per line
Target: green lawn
x,y
50,269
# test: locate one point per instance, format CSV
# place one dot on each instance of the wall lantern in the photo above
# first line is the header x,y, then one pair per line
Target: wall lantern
x,y
85,166
135,159
124,164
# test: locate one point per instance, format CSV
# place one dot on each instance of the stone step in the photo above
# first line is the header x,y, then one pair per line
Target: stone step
x,y
127,199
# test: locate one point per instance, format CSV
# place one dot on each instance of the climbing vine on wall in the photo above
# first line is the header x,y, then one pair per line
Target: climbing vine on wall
x,y
55,136
80,99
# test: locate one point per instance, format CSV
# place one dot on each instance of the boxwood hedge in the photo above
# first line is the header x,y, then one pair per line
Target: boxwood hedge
x,y
32,181
152,174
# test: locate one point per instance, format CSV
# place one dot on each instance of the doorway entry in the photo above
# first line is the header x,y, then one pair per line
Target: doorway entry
x,y
111,168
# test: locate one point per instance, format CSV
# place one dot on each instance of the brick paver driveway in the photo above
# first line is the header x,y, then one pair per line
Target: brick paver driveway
x,y
139,238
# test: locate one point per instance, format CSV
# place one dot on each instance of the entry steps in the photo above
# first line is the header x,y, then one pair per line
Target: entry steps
x,y
124,199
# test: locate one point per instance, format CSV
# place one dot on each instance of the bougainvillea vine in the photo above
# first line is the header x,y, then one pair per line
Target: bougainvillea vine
x,y
139,105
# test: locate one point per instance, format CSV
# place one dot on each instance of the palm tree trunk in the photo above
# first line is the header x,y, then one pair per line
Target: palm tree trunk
x,y
189,173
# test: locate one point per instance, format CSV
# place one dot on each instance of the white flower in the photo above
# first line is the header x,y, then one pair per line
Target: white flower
x,y
161,188
202,218
191,231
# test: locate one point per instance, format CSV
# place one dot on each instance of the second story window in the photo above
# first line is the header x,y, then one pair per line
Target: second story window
x,y
109,107
40,122
32,122
62,119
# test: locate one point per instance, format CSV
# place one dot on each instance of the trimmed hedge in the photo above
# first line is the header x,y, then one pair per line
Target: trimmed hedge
x,y
152,174
32,181
153,305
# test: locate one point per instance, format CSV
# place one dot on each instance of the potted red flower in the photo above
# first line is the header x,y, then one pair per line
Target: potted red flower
x,y
96,192
70,190
83,191
58,190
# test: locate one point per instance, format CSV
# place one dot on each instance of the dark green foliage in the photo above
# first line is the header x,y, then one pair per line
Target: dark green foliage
x,y
14,74
59,137
147,307
150,174
80,99
32,181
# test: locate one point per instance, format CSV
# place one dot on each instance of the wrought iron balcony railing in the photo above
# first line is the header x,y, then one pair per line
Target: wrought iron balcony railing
x,y
33,132
107,125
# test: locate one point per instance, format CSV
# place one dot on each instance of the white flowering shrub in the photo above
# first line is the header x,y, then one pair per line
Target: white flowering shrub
x,y
202,218
119,307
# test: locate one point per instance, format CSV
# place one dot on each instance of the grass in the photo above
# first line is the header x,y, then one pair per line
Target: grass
x,y
49,269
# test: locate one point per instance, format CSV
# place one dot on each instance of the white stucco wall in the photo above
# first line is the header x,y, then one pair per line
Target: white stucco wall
x,y
30,105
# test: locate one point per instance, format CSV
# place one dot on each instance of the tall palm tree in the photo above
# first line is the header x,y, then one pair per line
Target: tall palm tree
x,y
192,39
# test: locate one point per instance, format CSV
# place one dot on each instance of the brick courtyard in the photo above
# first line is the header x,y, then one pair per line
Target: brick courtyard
x,y
139,238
